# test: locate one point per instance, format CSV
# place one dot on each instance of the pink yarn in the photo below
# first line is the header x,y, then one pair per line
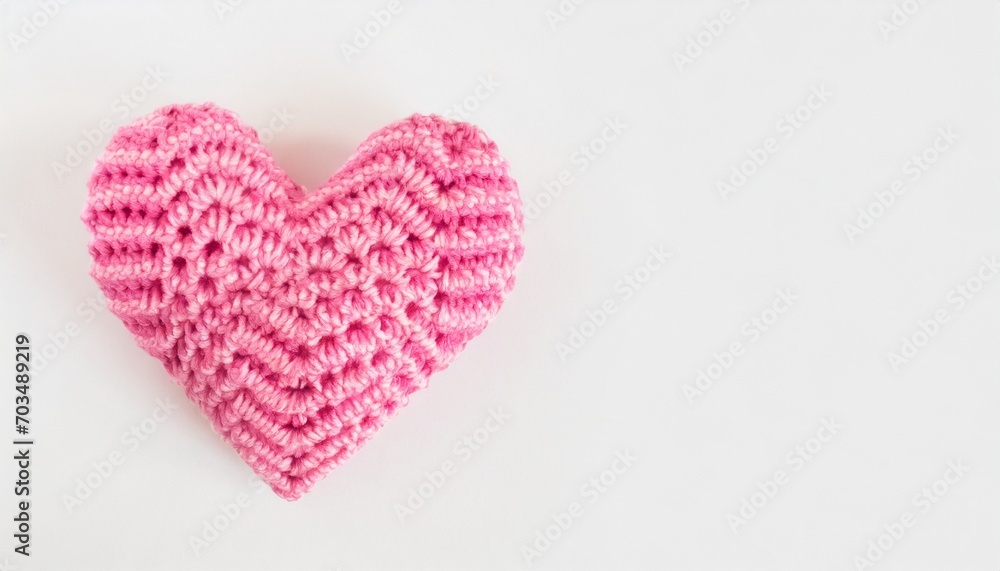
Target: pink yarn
x,y
299,322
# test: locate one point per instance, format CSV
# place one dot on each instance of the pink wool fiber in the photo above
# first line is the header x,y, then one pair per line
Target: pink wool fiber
x,y
300,321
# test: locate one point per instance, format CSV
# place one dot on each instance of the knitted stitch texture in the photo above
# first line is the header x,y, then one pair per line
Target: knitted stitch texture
x,y
300,321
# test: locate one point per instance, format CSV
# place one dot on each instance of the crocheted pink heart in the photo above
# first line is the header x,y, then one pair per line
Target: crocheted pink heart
x,y
299,321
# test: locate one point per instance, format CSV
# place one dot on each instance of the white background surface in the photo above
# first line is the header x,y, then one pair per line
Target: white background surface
x,y
655,185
